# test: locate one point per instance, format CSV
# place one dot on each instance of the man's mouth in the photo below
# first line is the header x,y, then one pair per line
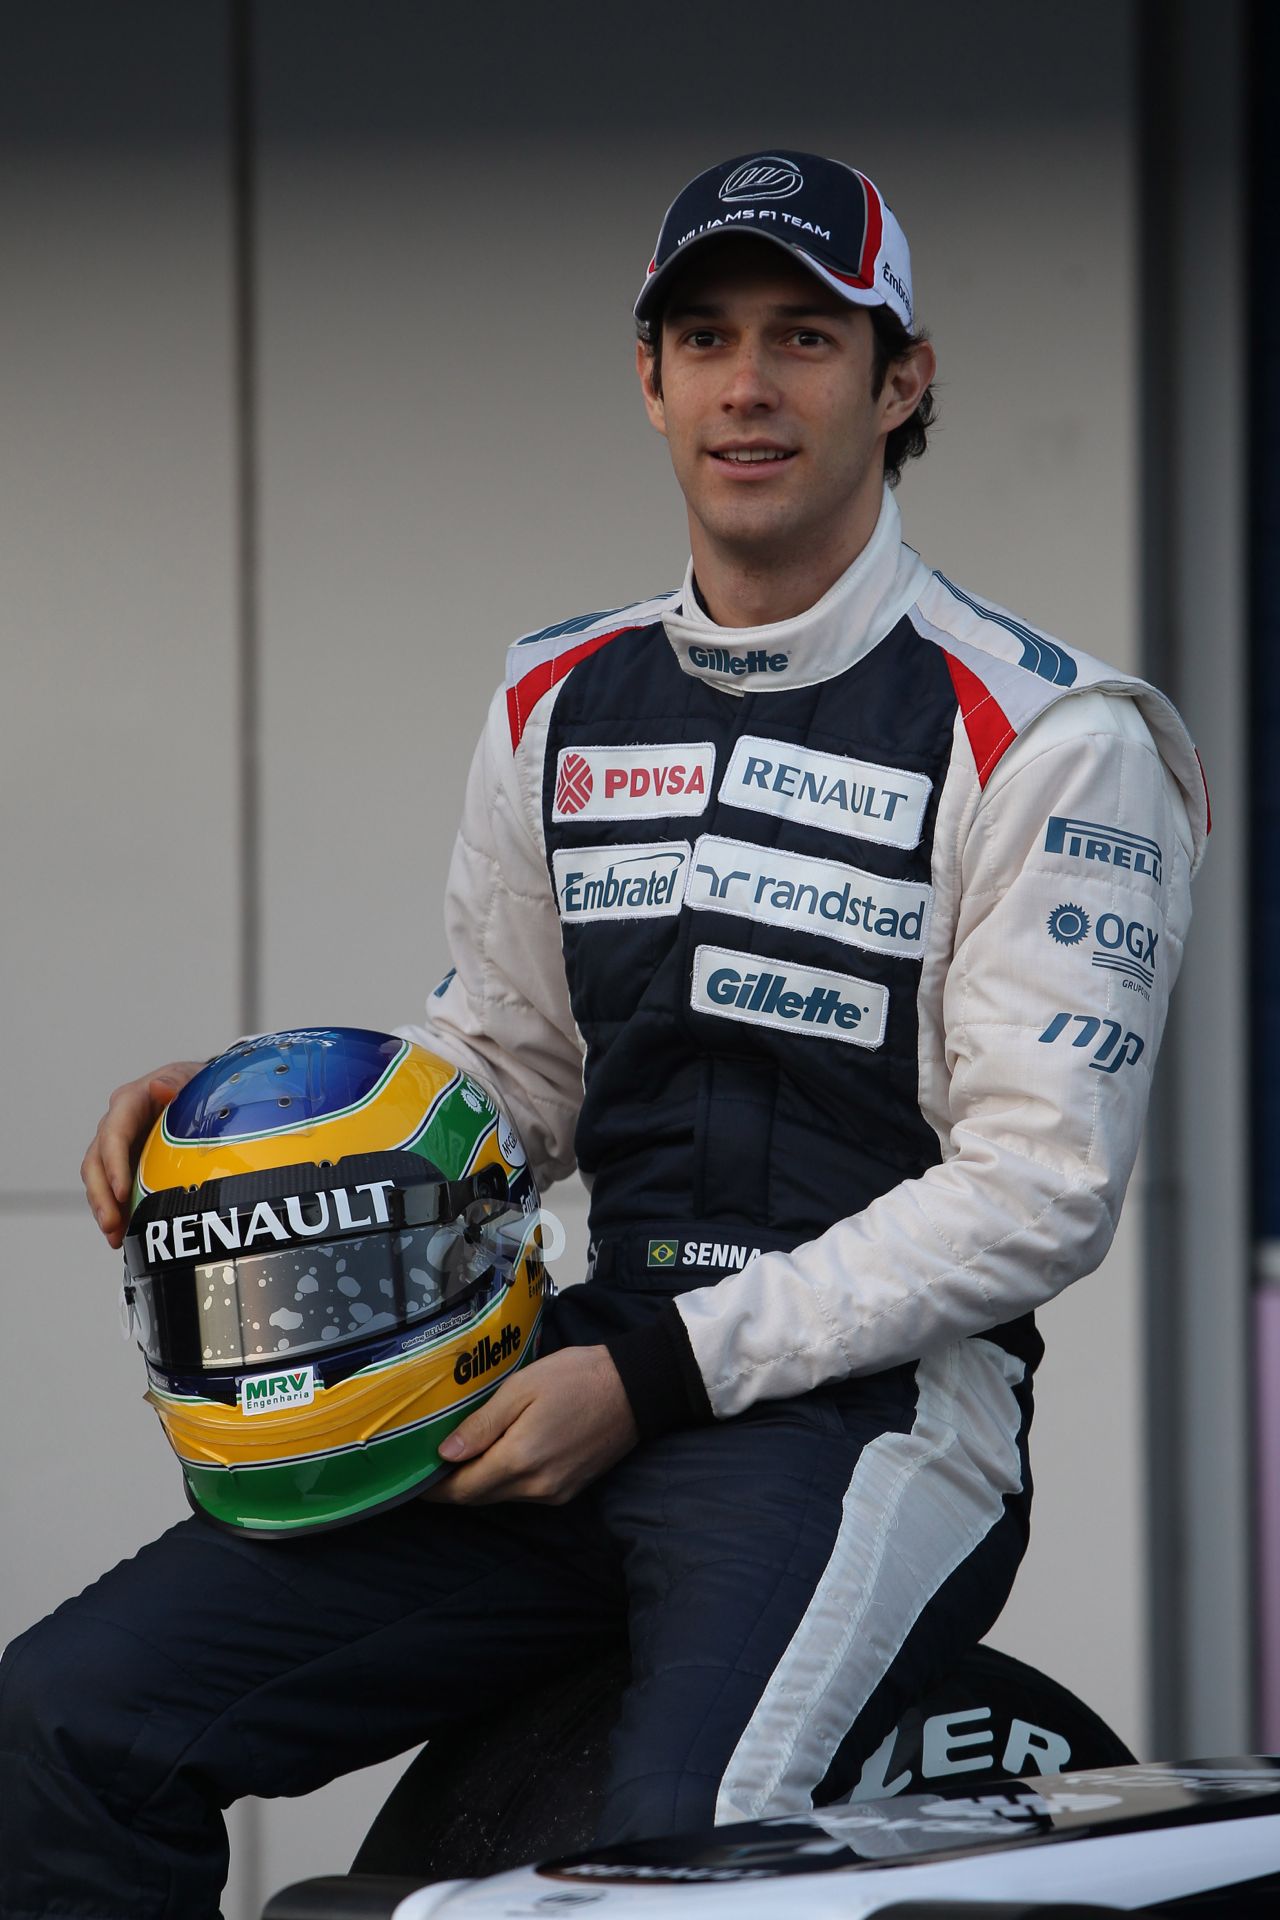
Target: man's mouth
x,y
751,456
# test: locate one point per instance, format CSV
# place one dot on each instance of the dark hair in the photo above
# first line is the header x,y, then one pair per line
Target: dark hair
x,y
890,341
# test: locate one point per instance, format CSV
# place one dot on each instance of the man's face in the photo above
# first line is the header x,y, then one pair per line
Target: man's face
x,y
766,405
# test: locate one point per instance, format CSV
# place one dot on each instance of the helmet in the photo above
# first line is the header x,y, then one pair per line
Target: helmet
x,y
333,1256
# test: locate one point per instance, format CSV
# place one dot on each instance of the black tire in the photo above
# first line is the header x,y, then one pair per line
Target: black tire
x,y
528,1784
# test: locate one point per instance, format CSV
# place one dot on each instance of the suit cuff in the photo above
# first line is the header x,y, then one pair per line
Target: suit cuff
x,y
660,1375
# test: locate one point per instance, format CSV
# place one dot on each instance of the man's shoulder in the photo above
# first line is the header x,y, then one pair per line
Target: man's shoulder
x,y
562,634
950,613
540,660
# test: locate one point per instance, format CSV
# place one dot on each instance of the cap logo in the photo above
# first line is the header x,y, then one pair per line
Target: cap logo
x,y
766,178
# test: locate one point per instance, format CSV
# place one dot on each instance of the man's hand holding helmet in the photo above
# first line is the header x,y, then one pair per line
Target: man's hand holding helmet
x,y
132,1111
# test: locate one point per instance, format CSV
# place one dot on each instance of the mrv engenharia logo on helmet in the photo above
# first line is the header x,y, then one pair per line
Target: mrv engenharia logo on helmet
x,y
334,1255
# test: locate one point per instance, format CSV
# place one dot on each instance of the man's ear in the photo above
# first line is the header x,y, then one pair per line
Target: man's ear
x,y
652,400
905,382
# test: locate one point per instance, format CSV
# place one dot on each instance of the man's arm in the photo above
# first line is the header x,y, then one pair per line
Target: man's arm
x,y
1040,1106
502,1013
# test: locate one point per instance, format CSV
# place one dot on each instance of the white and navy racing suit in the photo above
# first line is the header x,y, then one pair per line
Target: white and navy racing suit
x,y
836,953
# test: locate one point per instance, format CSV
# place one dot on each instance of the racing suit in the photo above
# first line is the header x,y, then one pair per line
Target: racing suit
x,y
836,954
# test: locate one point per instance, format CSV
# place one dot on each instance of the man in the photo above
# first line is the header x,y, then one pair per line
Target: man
x,y
827,917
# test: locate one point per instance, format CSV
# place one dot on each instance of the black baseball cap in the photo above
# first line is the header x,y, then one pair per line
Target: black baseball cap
x,y
829,217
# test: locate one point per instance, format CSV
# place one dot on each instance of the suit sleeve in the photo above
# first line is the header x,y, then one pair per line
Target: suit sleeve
x,y
1043,1070
502,1012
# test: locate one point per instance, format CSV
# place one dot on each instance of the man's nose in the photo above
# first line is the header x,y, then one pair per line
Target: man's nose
x,y
750,385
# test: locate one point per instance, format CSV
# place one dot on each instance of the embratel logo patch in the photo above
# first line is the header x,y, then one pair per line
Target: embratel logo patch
x,y
633,783
765,178
620,883
819,896
272,1392
858,798
773,993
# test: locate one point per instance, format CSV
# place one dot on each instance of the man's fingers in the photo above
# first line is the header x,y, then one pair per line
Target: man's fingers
x,y
107,1168
480,1429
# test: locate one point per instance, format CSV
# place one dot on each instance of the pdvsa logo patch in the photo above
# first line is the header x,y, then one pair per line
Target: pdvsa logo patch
x,y
774,993
633,783
273,1392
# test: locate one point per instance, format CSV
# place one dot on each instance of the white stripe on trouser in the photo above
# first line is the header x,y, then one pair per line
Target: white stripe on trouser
x,y
918,1505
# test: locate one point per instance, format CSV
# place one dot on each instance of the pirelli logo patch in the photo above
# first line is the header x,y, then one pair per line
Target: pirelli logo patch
x,y
633,783
857,798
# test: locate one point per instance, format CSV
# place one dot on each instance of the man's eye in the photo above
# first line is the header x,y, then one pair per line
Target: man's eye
x,y
806,337
702,337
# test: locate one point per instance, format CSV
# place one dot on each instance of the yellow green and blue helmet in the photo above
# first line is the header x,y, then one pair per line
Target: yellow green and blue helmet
x,y
333,1257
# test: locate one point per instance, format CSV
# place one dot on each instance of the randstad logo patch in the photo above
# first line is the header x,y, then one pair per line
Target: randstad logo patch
x,y
858,798
620,883
633,783
772,993
819,896
272,1392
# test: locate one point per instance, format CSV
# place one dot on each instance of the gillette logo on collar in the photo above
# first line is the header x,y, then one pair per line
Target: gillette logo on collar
x,y
721,660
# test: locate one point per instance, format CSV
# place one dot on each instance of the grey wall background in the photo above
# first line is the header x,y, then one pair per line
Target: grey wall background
x,y
253,609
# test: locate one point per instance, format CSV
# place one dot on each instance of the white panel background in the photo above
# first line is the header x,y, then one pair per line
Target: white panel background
x,y
450,451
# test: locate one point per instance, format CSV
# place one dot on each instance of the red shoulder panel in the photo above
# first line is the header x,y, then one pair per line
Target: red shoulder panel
x,y
524,695
987,724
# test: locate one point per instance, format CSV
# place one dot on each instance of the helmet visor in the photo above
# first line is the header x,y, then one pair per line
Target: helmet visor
x,y
241,1309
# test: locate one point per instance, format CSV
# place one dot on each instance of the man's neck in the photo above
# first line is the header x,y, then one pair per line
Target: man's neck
x,y
753,587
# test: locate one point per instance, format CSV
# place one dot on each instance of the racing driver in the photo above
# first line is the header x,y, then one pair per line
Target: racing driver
x,y
825,915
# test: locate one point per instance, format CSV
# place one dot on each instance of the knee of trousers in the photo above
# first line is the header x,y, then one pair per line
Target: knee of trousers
x,y
74,1694
657,1804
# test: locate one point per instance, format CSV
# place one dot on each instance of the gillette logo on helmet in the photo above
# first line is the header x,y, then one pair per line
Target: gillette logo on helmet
x,y
190,1236
486,1355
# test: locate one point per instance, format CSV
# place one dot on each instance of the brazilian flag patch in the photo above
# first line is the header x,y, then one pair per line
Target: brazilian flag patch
x,y
662,1253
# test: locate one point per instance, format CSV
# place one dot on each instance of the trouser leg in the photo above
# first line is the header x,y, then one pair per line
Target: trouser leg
x,y
212,1666
796,1576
